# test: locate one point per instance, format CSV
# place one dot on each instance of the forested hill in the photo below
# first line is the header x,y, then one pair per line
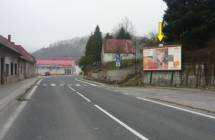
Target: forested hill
x,y
72,48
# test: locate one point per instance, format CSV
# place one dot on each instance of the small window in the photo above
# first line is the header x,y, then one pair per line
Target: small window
x,y
11,68
15,69
7,69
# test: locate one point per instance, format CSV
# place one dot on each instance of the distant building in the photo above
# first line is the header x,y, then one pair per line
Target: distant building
x,y
112,47
77,70
55,67
15,62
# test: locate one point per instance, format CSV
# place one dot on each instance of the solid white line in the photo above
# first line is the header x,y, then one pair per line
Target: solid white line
x,y
15,115
84,97
31,93
38,82
71,88
178,108
87,83
122,123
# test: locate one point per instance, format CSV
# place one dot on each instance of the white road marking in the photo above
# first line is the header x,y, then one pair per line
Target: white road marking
x,y
178,108
53,85
87,83
71,88
84,97
122,123
15,115
77,85
38,82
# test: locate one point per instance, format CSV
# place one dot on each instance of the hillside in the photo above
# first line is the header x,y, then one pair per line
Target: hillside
x,y
72,48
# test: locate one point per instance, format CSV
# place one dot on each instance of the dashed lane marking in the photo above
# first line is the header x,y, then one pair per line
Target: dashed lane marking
x,y
53,85
71,88
84,97
139,135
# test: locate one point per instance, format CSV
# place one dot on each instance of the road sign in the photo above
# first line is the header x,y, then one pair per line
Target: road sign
x,y
118,60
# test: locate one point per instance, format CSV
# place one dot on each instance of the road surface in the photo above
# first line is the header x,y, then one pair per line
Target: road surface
x,y
65,108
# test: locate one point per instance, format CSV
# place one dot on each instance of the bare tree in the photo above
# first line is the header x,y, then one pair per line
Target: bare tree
x,y
127,25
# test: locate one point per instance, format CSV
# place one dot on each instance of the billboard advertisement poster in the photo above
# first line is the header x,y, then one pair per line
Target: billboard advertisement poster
x,y
165,58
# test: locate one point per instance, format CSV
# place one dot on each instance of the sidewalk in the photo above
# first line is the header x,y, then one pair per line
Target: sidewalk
x,y
12,91
192,98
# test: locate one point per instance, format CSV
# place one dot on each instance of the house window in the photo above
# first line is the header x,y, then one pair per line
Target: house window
x,y
15,69
11,68
7,69
21,68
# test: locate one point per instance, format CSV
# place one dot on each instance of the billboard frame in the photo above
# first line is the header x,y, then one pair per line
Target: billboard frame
x,y
163,70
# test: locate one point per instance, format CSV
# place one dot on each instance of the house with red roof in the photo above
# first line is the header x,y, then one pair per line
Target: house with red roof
x,y
15,62
55,67
113,47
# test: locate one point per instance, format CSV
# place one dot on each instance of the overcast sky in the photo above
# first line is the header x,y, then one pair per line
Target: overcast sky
x,y
37,23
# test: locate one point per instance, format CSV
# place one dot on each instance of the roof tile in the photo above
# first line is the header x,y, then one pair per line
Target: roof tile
x,y
118,45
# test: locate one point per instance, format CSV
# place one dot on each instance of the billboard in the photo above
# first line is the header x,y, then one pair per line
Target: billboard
x,y
165,58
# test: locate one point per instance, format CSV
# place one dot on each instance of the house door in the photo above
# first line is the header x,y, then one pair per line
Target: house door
x,y
2,71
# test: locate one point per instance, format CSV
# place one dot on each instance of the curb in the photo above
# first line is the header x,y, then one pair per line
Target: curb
x,y
182,105
11,98
21,97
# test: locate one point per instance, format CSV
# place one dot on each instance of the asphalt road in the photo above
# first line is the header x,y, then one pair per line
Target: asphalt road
x,y
64,108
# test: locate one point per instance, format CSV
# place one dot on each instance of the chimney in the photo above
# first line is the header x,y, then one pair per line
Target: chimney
x,y
9,38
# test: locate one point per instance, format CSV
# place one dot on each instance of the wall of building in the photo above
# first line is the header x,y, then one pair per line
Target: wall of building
x,y
54,70
109,57
10,73
14,68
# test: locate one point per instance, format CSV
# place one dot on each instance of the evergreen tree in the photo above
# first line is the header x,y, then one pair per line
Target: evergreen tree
x,y
108,36
190,22
98,44
94,47
90,46
123,34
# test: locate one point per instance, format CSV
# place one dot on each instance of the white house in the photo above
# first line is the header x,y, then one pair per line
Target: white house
x,y
113,47
55,67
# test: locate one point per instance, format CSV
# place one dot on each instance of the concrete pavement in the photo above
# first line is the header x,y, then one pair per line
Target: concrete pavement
x,y
12,91
202,100
8,95
66,108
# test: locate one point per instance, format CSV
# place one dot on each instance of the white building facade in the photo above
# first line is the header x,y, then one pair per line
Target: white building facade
x,y
55,67
113,47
